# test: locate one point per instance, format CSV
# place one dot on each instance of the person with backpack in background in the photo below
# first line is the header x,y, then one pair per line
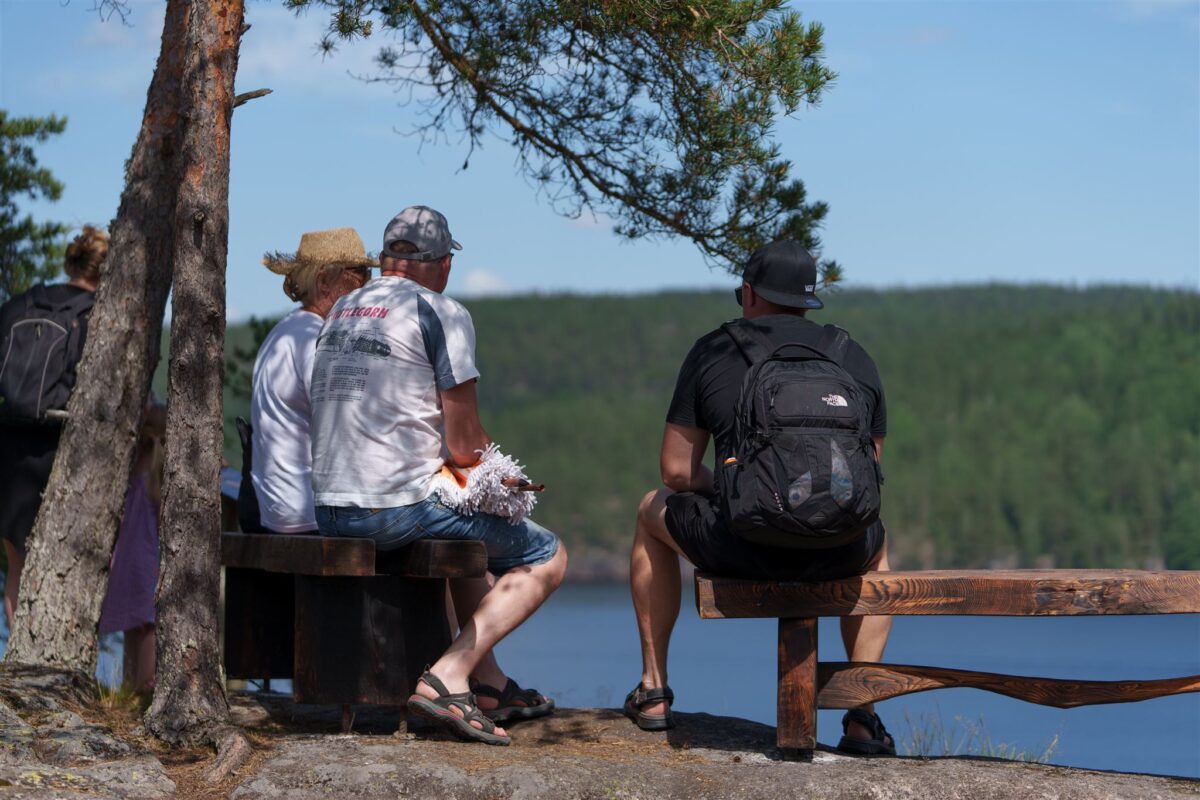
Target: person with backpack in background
x,y
42,332
798,416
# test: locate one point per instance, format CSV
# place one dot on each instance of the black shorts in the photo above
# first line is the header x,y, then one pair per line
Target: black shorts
x,y
26,457
700,531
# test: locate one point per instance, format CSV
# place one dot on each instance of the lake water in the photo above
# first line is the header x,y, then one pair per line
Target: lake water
x,y
582,649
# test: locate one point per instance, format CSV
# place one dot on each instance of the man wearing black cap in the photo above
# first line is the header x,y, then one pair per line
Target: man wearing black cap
x,y
778,289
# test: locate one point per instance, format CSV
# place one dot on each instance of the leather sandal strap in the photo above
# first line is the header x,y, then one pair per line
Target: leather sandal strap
x,y
436,684
868,720
642,696
472,713
511,691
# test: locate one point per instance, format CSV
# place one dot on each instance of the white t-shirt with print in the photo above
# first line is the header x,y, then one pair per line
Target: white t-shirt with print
x,y
384,353
279,413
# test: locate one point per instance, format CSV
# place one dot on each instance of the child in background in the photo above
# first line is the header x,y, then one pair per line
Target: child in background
x,y
129,604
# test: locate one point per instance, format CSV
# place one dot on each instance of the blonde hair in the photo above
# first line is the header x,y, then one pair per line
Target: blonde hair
x,y
301,283
86,253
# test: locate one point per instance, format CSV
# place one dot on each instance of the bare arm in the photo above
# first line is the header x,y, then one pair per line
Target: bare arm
x,y
464,432
878,440
682,459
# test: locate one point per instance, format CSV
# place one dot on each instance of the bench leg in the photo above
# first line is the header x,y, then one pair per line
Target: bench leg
x,y
796,728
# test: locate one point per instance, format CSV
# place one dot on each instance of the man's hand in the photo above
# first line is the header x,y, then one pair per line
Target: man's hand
x,y
465,435
682,459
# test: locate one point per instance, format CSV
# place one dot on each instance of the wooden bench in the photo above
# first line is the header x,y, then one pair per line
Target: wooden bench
x,y
346,624
805,684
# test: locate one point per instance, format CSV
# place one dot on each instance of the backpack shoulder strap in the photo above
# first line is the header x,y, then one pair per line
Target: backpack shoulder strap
x,y
833,343
753,345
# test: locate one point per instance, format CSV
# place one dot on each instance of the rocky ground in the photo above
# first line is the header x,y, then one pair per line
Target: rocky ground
x,y
55,742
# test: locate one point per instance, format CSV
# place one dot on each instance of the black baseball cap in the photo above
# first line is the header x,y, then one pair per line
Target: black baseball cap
x,y
784,273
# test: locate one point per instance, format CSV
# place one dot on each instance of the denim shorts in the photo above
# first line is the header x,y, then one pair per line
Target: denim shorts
x,y
508,546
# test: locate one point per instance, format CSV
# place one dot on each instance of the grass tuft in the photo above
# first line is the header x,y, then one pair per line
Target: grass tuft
x,y
929,736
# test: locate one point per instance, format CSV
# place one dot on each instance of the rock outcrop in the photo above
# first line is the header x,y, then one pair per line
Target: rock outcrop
x,y
50,749
591,753
47,750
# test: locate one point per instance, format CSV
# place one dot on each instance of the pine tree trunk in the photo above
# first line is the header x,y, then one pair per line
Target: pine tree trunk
x,y
66,569
189,704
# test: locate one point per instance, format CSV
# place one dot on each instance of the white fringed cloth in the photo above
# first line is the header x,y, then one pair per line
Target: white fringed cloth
x,y
479,488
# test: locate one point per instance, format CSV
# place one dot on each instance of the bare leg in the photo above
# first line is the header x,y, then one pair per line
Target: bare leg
x,y
467,594
139,658
865,639
655,585
515,596
12,581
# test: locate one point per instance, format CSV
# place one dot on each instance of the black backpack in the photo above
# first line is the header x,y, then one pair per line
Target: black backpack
x,y
802,472
40,351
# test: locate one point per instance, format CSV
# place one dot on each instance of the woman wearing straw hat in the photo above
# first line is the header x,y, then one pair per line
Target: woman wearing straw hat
x,y
327,265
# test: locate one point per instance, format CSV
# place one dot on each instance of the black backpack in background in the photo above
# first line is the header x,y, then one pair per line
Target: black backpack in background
x,y
38,354
802,472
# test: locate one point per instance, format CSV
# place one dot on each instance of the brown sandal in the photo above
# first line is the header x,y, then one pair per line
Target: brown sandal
x,y
640,697
531,706
439,712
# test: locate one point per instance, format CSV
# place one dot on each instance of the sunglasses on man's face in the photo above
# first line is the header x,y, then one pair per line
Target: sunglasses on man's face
x,y
737,293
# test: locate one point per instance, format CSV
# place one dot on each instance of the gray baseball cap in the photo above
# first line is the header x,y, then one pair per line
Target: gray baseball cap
x,y
425,228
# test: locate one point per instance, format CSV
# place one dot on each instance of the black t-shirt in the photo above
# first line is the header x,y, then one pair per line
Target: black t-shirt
x,y
710,380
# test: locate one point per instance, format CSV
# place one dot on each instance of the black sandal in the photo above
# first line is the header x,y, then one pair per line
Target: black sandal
x,y
641,697
531,706
439,712
881,742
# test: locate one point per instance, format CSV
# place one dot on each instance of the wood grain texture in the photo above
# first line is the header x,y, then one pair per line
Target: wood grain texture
x,y
298,555
850,684
796,725
329,556
435,558
366,640
966,592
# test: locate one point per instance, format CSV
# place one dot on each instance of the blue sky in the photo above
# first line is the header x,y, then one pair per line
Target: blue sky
x,y
962,142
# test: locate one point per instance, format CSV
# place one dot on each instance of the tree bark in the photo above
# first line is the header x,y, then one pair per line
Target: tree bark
x,y
66,569
189,705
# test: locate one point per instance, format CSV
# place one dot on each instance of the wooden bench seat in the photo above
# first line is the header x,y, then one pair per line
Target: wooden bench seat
x,y
346,624
805,684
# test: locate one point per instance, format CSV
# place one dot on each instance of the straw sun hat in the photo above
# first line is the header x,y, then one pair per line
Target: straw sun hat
x,y
335,247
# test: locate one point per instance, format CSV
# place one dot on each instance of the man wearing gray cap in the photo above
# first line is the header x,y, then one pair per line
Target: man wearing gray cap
x,y
393,399
696,517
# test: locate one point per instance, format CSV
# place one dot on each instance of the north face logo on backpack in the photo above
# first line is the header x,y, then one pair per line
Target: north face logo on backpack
x,y
835,400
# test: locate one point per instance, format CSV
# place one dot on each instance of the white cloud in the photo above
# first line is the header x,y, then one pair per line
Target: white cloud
x,y
481,283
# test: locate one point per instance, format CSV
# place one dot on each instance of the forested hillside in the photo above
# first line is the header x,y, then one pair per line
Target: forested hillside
x,y
1028,426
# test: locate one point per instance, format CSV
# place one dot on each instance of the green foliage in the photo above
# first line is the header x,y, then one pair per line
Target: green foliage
x,y
1030,426
657,114
239,366
29,251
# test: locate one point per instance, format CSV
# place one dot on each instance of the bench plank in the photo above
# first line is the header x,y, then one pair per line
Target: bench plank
x,y
347,557
960,592
850,684
298,555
